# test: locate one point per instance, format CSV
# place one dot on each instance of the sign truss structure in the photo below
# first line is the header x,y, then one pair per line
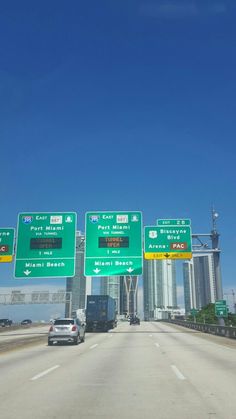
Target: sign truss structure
x,y
35,297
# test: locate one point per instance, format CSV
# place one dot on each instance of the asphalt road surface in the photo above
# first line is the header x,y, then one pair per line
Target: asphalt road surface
x,y
154,370
13,338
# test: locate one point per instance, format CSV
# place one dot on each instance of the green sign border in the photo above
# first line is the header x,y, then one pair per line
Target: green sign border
x,y
128,260
178,222
10,243
172,253
221,305
71,260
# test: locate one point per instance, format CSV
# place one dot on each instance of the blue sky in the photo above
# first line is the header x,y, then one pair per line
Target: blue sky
x,y
119,105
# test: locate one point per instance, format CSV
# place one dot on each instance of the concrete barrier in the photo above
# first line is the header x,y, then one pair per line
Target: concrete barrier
x,y
213,329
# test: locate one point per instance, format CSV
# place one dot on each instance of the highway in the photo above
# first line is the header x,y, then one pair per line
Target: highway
x,y
18,336
154,370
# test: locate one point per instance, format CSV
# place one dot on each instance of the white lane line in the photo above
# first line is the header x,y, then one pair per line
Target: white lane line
x,y
93,346
90,385
150,336
41,374
157,345
178,373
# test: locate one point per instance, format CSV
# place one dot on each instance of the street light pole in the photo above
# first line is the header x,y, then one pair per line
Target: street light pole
x,y
234,304
216,255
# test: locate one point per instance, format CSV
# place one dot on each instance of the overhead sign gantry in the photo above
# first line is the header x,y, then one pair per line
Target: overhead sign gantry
x,y
170,239
113,243
46,244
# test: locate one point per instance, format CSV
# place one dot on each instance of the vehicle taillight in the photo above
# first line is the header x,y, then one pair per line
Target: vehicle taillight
x,y
74,328
51,329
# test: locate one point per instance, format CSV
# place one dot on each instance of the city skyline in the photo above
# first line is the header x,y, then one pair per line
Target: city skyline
x,y
119,106
64,282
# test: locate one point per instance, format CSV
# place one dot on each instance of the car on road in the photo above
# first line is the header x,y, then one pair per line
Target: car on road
x,y
70,330
5,322
134,320
26,321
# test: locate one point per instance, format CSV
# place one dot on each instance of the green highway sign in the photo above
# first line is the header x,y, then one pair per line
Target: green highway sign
x,y
167,242
194,312
46,244
113,243
179,222
221,308
6,244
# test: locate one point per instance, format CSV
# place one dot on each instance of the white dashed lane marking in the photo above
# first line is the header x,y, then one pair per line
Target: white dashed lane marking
x,y
178,373
42,374
93,346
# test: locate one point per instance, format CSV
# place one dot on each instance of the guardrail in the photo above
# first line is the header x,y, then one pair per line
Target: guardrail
x,y
18,326
213,329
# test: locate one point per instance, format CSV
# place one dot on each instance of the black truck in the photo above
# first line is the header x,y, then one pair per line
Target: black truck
x,y
100,313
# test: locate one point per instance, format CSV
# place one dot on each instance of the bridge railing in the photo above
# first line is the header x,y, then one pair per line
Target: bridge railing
x,y
213,329
35,297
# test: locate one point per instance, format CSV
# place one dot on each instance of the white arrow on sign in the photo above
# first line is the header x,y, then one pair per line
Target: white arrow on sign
x,y
130,270
96,270
27,272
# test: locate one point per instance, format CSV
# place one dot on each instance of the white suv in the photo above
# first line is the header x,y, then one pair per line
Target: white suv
x,y
66,330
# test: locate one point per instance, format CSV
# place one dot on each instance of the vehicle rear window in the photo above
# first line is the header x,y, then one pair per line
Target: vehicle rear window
x,y
71,321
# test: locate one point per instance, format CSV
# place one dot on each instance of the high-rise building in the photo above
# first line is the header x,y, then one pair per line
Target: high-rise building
x,y
159,287
128,295
200,286
204,279
110,285
124,290
79,285
169,284
189,286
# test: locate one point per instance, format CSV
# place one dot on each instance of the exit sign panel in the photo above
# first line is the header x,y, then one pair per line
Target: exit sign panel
x,y
168,242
